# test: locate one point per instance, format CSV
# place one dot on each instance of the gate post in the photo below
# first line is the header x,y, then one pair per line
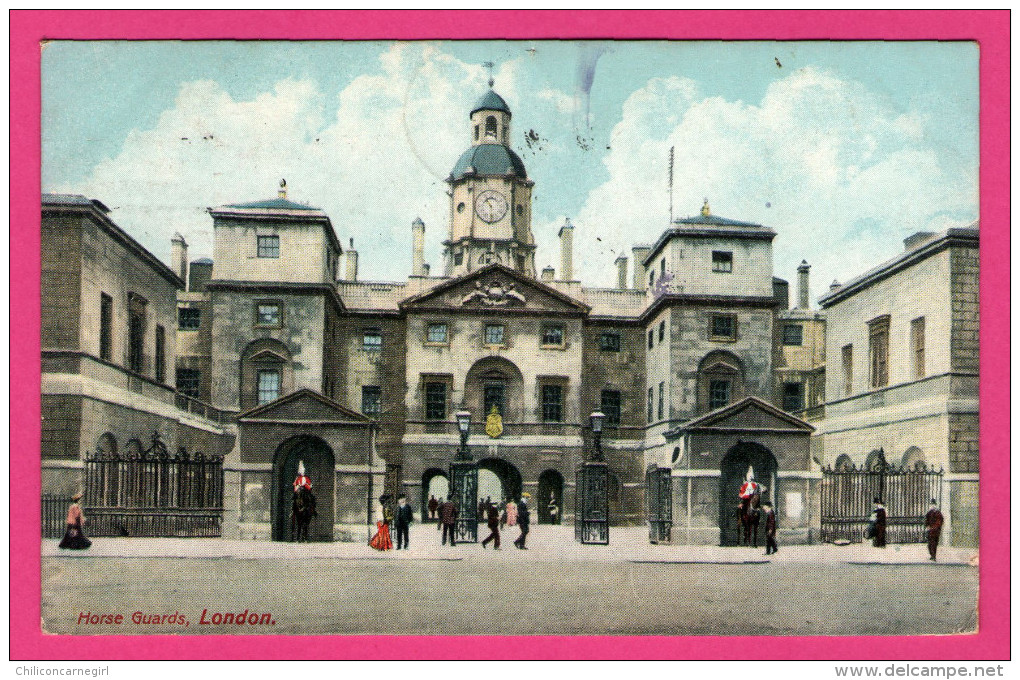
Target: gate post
x,y
659,496
464,484
591,512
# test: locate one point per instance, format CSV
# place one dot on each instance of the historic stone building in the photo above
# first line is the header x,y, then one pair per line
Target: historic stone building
x,y
286,358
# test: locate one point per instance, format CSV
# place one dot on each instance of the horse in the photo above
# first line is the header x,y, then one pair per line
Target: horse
x,y
302,512
750,515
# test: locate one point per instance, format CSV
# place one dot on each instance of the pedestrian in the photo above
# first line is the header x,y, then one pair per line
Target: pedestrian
x,y
933,520
433,506
770,528
448,519
511,513
481,509
878,519
404,517
492,520
74,537
382,541
524,521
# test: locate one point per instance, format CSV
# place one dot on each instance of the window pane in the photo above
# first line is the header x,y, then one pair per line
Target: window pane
x,y
552,403
793,334
651,403
494,334
662,399
610,342
437,332
793,396
651,339
370,400
269,315
372,340
662,331
435,401
269,246
611,407
718,394
552,335
722,261
189,318
494,393
269,386
160,354
188,382
723,327
105,326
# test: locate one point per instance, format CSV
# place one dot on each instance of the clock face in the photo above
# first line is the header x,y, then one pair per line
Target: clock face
x,y
491,206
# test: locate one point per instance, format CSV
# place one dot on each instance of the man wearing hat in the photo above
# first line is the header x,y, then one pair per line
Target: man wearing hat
x,y
403,520
524,520
770,528
933,521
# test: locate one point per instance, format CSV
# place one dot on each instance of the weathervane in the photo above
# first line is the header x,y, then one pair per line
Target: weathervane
x,y
489,65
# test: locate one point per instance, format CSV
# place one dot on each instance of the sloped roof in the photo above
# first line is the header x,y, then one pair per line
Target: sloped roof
x,y
489,159
491,101
718,418
328,407
271,204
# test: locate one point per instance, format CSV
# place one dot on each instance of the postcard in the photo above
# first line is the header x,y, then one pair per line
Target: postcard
x,y
651,341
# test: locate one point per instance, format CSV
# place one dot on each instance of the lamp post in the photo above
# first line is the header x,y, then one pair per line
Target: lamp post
x,y
464,483
591,512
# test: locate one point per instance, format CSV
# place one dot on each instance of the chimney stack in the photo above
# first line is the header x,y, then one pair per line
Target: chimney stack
x,y
621,271
640,253
425,268
352,263
418,248
282,193
803,295
567,251
548,274
835,285
179,257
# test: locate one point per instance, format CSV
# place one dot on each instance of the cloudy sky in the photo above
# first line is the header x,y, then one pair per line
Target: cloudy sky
x,y
842,148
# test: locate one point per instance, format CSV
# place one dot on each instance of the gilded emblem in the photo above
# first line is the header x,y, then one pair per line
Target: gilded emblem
x,y
494,423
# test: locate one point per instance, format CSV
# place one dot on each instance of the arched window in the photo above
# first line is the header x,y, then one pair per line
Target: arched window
x,y
913,459
844,462
490,127
876,460
720,381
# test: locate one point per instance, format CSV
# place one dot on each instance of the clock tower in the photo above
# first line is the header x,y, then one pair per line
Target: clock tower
x,y
490,197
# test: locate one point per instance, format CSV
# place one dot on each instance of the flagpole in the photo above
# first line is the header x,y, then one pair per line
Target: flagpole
x,y
671,184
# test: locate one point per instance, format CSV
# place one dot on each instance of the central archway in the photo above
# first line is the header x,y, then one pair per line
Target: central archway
x,y
741,458
434,484
319,463
509,479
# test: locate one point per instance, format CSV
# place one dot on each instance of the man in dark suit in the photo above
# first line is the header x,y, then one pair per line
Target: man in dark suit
x,y
492,520
448,518
933,520
770,528
403,521
523,520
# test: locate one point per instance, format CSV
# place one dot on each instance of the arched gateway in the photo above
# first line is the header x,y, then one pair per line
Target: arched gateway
x,y
742,458
319,463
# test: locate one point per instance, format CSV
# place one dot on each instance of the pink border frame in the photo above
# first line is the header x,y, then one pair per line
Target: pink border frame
x,y
989,28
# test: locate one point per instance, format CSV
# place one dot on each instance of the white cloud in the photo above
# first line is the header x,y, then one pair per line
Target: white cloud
x,y
831,167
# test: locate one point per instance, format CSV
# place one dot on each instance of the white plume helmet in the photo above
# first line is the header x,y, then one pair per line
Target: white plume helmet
x,y
301,467
750,473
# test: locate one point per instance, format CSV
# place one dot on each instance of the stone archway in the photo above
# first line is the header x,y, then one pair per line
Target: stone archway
x,y
434,482
319,464
550,488
510,482
741,458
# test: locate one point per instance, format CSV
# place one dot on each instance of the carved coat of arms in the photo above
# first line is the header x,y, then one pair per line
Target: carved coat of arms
x,y
494,423
494,294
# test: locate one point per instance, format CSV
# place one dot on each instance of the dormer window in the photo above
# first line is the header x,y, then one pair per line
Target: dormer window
x,y
490,127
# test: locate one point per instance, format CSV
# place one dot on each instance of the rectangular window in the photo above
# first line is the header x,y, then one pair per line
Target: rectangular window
x,y
662,266
611,407
371,400
435,401
552,403
793,334
269,385
662,331
437,333
160,354
267,314
878,350
188,380
609,342
493,395
189,318
136,331
848,369
662,400
105,326
651,404
651,339
723,327
493,334
722,261
269,246
917,345
793,396
552,335
372,339
718,394
458,259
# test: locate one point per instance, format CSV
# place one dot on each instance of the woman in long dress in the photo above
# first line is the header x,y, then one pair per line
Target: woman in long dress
x,y
381,540
511,513
879,515
74,537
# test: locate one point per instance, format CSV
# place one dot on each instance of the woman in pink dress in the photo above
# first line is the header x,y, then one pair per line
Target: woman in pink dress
x,y
511,513
74,538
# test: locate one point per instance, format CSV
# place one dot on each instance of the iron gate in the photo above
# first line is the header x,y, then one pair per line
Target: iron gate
x,y
659,492
54,515
464,487
153,493
847,494
591,517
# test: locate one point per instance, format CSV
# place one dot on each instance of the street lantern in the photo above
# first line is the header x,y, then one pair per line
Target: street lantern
x,y
596,429
591,509
464,483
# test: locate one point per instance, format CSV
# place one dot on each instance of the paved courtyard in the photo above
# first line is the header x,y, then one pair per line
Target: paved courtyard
x,y
557,587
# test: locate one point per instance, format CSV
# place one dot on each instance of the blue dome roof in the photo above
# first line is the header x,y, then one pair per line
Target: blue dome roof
x,y
491,101
489,159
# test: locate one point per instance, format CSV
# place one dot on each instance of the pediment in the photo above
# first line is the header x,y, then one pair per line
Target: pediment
x,y
495,288
303,405
751,413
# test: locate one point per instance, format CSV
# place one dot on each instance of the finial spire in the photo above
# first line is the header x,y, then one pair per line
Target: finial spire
x,y
705,210
489,65
283,188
